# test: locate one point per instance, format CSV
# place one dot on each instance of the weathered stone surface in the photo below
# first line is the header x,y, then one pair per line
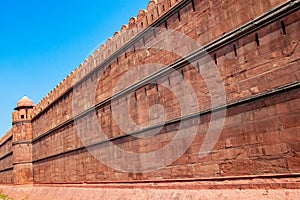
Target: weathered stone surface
x,y
260,136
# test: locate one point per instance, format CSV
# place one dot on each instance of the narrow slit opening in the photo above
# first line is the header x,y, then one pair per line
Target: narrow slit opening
x,y
257,39
144,42
234,49
283,28
215,58
154,33
193,5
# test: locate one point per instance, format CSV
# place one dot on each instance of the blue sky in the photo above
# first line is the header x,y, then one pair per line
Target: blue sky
x,y
41,42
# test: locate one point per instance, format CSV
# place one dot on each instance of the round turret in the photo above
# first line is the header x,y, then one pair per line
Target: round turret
x,y
25,102
23,111
21,142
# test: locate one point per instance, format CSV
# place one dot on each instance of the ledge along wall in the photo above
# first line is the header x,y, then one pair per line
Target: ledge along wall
x,y
255,46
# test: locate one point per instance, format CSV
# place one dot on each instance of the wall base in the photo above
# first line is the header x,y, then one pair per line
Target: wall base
x,y
284,188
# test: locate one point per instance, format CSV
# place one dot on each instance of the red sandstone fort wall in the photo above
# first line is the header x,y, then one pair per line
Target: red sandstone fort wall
x,y
259,136
258,139
6,163
210,20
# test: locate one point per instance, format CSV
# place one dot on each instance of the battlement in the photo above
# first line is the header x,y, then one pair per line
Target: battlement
x,y
6,137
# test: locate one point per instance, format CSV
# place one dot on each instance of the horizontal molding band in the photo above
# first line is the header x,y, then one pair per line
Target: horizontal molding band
x,y
230,37
22,162
7,169
6,155
22,142
21,121
125,47
277,91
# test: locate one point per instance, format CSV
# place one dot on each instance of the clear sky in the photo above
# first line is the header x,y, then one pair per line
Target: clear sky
x,y
42,41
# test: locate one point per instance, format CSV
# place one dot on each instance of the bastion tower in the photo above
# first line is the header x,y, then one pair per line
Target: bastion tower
x,y
22,136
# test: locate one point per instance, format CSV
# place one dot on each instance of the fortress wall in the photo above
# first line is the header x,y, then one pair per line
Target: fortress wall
x,y
258,137
6,164
210,20
154,10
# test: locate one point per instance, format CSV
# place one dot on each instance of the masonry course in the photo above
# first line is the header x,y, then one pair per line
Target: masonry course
x,y
255,46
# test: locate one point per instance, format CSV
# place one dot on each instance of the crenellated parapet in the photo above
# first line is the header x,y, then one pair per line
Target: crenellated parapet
x,y
58,91
6,137
144,19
